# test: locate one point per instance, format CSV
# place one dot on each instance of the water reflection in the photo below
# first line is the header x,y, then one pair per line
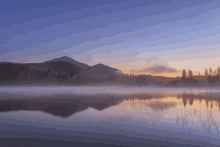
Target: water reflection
x,y
158,115
188,112
160,106
210,99
60,105
187,98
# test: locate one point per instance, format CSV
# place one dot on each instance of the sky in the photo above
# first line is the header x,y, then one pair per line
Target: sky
x,y
130,35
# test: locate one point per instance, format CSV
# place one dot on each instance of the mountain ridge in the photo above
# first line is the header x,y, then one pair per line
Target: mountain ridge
x,y
68,59
58,68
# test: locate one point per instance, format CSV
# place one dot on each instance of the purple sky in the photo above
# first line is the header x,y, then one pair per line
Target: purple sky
x,y
129,34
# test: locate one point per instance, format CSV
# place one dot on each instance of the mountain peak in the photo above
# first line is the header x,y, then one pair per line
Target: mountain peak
x,y
64,56
68,59
99,64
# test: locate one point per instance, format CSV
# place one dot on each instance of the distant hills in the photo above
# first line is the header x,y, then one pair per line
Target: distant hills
x,y
102,71
64,69
69,60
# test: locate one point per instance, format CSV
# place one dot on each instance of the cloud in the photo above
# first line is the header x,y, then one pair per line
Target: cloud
x,y
21,60
97,51
156,61
114,60
85,58
208,43
114,56
32,55
31,51
40,58
203,52
195,64
125,64
3,50
122,67
26,55
196,58
140,62
130,63
110,51
85,46
159,69
6,57
102,54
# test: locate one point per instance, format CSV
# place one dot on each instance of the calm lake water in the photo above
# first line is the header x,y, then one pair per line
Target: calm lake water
x,y
109,116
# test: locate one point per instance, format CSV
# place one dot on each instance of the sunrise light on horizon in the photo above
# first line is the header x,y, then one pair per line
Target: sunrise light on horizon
x,y
129,35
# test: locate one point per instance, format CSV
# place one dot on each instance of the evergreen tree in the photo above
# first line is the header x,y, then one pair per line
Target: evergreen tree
x,y
71,74
218,71
206,72
67,76
215,72
59,75
190,73
184,73
210,71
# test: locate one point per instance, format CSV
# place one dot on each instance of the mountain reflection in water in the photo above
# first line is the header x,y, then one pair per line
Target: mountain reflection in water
x,y
60,105
155,118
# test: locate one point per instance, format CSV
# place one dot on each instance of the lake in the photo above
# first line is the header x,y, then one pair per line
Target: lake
x,y
102,116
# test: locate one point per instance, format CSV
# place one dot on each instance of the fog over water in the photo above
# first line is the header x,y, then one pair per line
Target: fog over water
x,y
93,90
109,115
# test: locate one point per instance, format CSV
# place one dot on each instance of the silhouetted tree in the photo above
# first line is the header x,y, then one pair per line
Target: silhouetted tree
x,y
175,82
67,75
191,100
210,71
207,103
206,72
184,101
53,74
218,71
71,74
215,72
59,75
190,73
184,73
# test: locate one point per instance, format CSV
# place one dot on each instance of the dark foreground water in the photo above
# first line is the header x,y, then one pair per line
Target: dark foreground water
x,y
109,116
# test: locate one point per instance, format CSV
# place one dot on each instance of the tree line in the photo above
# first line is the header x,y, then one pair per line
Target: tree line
x,y
207,72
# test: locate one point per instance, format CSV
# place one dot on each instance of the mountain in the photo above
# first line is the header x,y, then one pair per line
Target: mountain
x,y
101,71
60,69
96,71
64,105
11,70
70,60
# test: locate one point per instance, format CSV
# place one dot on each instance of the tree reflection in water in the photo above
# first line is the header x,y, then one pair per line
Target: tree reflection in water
x,y
197,111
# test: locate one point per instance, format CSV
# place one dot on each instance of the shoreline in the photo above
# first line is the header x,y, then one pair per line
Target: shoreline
x,y
107,84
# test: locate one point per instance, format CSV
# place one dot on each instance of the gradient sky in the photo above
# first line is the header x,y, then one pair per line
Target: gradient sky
x,y
126,34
